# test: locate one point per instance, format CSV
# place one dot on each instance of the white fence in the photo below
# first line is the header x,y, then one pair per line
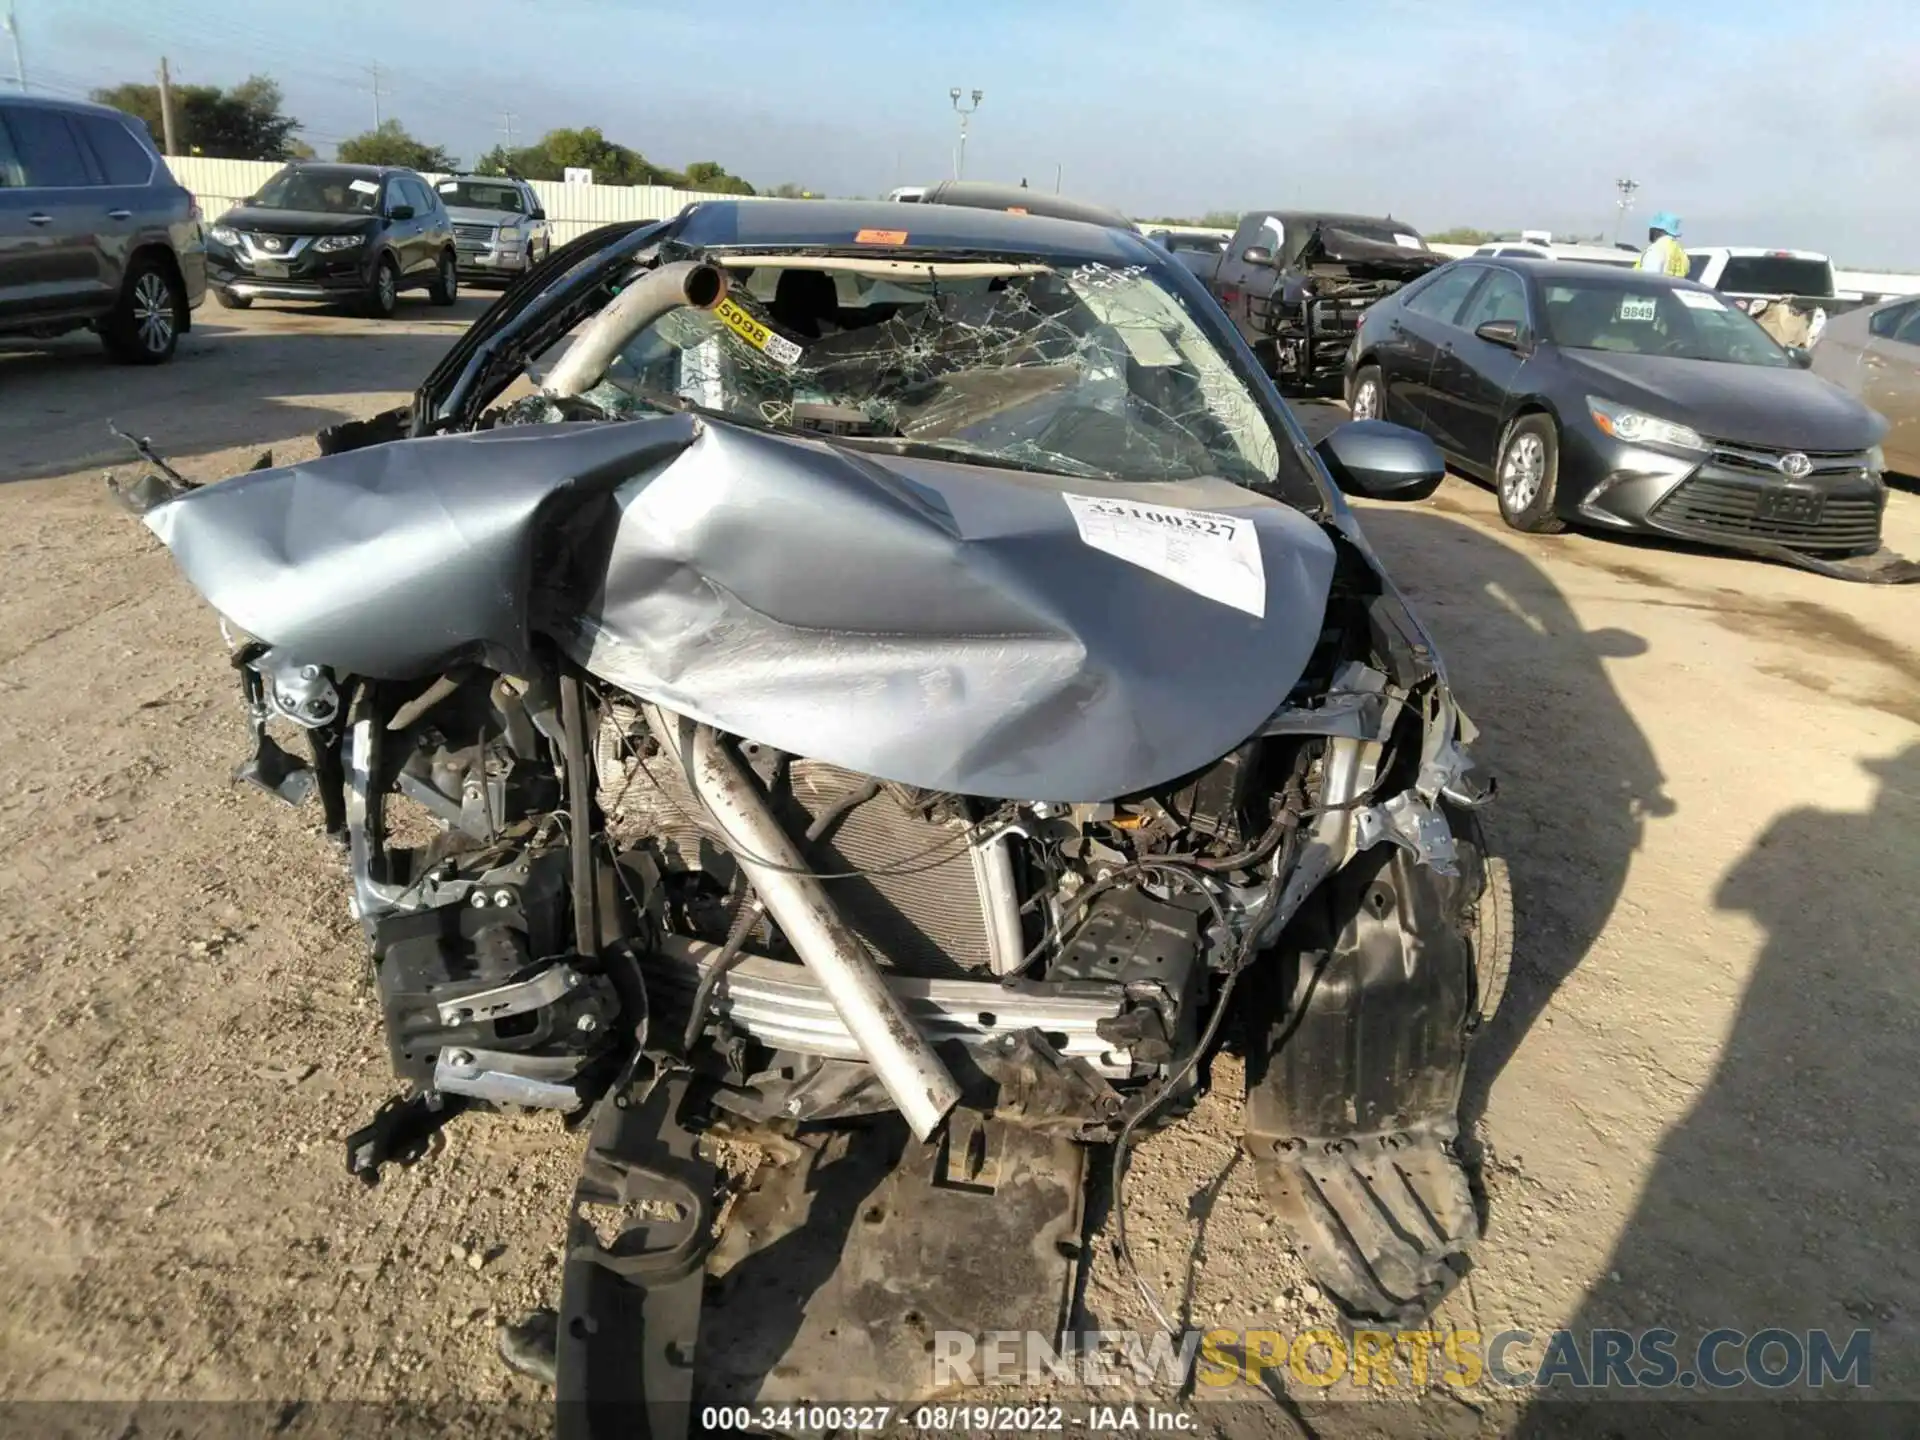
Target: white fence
x,y
1845,282
572,209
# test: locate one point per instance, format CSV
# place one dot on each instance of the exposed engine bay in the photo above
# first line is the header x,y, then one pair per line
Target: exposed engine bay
x,y
725,781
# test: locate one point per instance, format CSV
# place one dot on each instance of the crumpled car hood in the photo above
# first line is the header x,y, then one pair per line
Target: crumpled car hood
x,y
977,630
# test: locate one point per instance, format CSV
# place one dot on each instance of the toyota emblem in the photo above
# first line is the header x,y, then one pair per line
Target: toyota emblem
x,y
1796,466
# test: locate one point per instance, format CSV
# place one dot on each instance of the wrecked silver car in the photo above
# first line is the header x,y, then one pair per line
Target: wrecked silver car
x,y
842,709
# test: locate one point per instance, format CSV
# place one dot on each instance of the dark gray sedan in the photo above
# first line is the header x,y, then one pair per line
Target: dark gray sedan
x,y
1627,401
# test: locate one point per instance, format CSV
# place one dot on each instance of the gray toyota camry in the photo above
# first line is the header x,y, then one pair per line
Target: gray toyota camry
x,y
1627,401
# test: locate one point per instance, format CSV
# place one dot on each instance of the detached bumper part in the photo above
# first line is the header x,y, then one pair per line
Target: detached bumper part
x,y
1352,1114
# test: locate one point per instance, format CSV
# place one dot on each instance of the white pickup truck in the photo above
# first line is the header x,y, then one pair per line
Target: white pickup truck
x,y
1790,292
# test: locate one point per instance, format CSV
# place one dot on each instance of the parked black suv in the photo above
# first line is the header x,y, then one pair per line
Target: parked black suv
x,y
94,231
361,233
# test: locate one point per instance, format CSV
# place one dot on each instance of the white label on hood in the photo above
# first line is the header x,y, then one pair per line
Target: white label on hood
x,y
1211,554
365,187
1408,242
1699,299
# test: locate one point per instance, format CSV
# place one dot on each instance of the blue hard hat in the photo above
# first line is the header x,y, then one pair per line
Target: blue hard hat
x,y
1666,220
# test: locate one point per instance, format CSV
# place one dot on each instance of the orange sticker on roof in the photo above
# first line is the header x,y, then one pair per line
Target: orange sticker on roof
x,y
1016,209
880,237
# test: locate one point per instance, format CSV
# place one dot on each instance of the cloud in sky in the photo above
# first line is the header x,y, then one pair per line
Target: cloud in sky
x,y
1758,121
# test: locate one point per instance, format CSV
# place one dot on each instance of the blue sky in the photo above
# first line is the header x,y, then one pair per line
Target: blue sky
x,y
1760,122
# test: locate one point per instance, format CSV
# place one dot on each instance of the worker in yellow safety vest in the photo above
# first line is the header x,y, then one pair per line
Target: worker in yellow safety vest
x,y
1663,254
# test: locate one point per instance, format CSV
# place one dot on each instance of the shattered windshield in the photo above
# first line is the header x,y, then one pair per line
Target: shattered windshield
x,y
1079,370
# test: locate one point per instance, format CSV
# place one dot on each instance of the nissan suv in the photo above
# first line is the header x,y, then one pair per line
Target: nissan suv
x,y
94,230
354,233
499,227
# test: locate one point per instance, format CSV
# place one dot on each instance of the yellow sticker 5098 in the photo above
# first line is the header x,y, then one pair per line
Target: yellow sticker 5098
x,y
776,347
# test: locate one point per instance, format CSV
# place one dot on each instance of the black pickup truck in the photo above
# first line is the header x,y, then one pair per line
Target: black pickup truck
x,y
1296,283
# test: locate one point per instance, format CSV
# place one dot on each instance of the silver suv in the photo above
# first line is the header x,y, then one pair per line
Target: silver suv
x,y
94,230
499,228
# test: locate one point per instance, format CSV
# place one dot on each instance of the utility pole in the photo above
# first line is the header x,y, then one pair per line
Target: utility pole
x,y
506,127
1056,179
13,33
965,113
166,110
375,71
1623,204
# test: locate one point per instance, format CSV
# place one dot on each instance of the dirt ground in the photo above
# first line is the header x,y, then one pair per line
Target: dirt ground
x,y
1695,1102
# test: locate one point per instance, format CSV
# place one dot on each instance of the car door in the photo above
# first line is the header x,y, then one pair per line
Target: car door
x,y
17,238
49,263
1240,283
437,233
1416,328
540,231
1890,382
124,216
1467,393
405,235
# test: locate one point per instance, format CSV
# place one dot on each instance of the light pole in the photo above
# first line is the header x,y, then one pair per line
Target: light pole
x,y
963,111
1623,204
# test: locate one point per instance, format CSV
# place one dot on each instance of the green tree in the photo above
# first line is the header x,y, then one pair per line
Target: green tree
x,y
611,162
791,191
712,175
243,123
390,144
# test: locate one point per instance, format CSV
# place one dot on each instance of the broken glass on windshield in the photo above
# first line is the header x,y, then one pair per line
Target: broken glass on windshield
x,y
1080,370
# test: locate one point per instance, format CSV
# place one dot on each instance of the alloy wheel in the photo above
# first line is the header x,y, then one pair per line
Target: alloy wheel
x,y
1522,471
1366,401
153,312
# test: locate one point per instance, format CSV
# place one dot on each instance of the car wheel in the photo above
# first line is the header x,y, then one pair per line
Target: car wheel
x,y
445,288
1369,399
384,298
227,300
1527,476
145,325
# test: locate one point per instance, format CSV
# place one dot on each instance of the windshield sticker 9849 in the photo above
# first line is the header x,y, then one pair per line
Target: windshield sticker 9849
x,y
1638,307
776,347
1211,554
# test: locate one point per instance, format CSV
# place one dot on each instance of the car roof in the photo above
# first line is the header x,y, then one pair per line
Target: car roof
x,y
1017,199
15,99
1579,270
751,223
344,167
1748,252
1334,217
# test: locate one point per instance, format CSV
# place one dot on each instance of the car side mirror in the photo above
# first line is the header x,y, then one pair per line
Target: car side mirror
x,y
1257,255
1378,460
536,213
400,212
1801,356
1500,332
